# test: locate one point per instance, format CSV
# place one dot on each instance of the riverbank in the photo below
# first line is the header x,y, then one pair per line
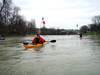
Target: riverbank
x,y
92,33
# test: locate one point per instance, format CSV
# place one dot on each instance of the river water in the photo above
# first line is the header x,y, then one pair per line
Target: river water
x,y
70,55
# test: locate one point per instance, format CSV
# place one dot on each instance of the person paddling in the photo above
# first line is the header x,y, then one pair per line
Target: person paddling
x,y
38,39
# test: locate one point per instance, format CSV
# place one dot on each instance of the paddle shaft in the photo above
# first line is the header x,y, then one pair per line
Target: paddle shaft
x,y
26,42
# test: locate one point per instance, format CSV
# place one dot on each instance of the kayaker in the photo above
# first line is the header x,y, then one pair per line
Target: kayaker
x,y
38,39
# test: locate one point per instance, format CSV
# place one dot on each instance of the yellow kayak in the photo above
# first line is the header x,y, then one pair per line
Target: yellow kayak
x,y
34,46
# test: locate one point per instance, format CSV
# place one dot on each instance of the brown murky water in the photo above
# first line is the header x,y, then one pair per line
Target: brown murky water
x,y
70,55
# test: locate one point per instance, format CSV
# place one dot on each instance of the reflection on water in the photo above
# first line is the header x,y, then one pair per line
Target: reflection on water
x,y
70,55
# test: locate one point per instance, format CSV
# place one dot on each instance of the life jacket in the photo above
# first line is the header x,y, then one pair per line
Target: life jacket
x,y
38,40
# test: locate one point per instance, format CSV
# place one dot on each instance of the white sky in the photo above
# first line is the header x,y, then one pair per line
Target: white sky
x,y
59,13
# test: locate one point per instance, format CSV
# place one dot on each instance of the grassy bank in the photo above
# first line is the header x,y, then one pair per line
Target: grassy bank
x,y
92,33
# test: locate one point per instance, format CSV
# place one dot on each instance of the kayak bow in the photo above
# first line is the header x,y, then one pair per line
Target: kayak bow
x,y
34,46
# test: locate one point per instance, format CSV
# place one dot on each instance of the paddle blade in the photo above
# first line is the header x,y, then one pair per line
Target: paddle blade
x,y
53,41
25,43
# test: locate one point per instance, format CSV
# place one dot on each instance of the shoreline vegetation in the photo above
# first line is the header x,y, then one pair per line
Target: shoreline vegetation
x,y
92,33
14,24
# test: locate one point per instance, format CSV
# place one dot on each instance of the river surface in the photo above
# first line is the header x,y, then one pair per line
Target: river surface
x,y
70,55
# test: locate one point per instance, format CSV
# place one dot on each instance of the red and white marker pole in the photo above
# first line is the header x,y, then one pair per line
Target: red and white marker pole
x,y
43,21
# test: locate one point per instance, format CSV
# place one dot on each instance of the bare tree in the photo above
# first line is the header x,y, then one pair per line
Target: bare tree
x,y
5,11
14,15
10,20
32,26
96,24
96,19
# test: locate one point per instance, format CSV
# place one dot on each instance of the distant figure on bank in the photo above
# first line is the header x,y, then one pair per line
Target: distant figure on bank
x,y
38,39
80,35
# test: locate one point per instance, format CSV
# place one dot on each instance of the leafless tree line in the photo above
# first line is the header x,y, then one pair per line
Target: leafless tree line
x,y
11,22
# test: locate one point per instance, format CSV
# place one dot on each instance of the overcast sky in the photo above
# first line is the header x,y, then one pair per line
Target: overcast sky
x,y
59,13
